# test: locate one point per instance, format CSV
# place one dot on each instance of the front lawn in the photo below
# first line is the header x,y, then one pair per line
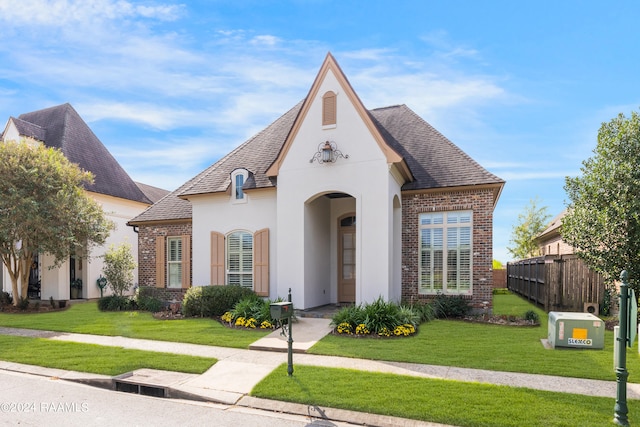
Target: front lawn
x,y
486,346
95,358
448,402
85,318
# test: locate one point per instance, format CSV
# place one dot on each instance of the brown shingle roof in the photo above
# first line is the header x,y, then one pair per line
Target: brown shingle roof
x,y
255,155
61,127
29,130
434,161
153,193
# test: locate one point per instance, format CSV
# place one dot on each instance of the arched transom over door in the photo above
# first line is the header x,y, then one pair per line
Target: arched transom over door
x,y
347,259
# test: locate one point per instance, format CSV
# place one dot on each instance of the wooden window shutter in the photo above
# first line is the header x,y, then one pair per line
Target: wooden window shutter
x,y
217,258
261,262
186,261
160,264
329,109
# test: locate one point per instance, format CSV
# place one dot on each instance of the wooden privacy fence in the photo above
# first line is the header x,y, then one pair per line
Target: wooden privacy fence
x,y
556,283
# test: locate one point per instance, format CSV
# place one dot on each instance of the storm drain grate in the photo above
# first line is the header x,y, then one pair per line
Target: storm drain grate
x,y
144,389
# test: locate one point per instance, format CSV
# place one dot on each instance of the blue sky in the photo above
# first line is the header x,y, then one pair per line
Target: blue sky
x,y
169,88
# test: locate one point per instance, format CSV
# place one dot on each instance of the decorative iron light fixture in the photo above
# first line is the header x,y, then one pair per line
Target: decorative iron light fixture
x,y
328,153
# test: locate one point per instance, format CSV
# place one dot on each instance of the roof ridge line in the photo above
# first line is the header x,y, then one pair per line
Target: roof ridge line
x,y
225,158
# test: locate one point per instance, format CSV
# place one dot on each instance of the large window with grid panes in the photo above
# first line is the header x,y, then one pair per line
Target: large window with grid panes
x,y
445,262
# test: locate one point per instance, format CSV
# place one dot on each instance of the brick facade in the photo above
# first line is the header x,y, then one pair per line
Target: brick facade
x,y
478,201
147,257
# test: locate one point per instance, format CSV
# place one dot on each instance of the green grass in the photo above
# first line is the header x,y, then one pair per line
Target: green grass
x,y
515,306
448,402
95,358
85,318
484,346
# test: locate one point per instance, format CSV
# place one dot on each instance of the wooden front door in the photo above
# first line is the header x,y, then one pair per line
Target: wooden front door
x,y
347,259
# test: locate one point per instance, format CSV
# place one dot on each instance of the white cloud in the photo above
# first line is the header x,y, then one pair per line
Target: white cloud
x,y
161,117
59,13
523,175
265,40
150,161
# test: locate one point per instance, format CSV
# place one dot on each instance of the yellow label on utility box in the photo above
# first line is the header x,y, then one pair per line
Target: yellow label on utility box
x,y
579,334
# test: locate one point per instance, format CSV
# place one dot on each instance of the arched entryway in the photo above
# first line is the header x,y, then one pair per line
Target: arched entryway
x,y
330,249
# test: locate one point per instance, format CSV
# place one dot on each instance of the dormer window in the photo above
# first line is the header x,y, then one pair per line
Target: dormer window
x,y
329,111
238,179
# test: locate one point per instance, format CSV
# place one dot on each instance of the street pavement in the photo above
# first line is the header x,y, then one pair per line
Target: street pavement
x,y
237,371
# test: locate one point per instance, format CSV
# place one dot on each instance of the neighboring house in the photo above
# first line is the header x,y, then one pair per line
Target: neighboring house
x,y
550,241
61,127
338,203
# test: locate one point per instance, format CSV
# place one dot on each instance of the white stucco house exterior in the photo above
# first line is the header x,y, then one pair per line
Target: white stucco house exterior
x,y
120,197
338,203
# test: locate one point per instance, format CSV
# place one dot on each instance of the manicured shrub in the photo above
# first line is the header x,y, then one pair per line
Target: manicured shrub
x,y
532,316
448,306
116,303
381,314
23,303
251,312
351,315
379,318
250,307
118,267
146,300
148,303
5,299
211,301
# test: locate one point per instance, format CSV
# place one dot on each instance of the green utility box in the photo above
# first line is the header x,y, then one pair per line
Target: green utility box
x,y
575,330
281,310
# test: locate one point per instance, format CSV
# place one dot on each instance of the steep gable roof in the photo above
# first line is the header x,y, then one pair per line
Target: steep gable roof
x,y
61,127
29,130
553,228
434,161
255,155
153,193
330,65
426,158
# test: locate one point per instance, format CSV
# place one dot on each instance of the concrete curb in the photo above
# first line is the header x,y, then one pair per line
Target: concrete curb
x,y
331,414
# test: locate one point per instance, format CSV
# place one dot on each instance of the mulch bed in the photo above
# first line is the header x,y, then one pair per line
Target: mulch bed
x,y
33,308
500,320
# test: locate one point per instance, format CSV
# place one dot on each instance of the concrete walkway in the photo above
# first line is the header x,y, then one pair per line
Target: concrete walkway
x,y
237,371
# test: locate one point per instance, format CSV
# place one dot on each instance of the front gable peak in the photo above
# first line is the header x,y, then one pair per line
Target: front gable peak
x,y
330,114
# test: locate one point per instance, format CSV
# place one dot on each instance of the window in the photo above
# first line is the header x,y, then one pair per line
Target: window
x,y
329,109
239,183
174,262
240,259
238,179
445,252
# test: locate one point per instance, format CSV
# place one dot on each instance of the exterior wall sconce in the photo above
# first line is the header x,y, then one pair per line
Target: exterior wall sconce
x,y
328,153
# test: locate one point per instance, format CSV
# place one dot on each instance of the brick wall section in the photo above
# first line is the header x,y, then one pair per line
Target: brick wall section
x,y
147,257
481,203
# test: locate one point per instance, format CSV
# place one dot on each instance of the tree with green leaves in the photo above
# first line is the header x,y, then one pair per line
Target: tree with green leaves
x,y
603,219
118,268
531,222
44,209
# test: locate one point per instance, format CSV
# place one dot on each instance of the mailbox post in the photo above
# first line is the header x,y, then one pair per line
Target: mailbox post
x,y
283,311
101,282
626,337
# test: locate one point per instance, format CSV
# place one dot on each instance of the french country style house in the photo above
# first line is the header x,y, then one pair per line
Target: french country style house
x,y
121,198
336,202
